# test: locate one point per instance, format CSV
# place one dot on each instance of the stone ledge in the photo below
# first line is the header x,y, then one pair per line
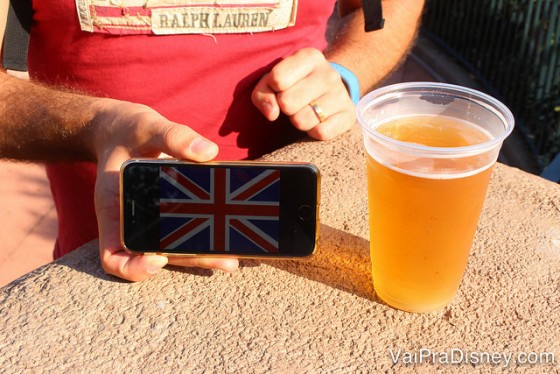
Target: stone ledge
x,y
293,316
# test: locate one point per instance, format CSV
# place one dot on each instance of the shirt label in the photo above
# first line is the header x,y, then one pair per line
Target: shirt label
x,y
165,17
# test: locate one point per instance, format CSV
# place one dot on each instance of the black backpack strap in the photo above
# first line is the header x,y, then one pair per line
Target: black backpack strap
x,y
16,38
373,14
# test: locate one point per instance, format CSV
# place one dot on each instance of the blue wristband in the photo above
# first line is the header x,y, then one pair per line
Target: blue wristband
x,y
350,81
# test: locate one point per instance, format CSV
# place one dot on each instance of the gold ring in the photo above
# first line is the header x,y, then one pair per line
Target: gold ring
x,y
318,111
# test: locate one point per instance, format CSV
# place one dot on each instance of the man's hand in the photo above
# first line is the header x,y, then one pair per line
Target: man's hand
x,y
121,131
41,123
298,81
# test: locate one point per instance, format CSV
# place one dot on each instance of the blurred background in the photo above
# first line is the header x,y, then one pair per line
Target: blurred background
x,y
509,49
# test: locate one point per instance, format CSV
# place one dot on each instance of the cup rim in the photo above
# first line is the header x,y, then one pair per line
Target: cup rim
x,y
396,90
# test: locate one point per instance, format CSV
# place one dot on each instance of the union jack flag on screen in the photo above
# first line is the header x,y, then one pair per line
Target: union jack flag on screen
x,y
219,209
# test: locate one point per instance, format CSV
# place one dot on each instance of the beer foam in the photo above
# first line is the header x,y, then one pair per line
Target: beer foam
x,y
432,147
434,131
429,171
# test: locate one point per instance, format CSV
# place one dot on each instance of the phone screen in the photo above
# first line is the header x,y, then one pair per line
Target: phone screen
x,y
241,209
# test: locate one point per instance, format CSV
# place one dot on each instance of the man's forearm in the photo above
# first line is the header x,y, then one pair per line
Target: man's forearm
x,y
38,123
374,55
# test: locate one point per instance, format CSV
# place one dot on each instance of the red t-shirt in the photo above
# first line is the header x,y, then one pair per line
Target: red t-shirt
x,y
202,79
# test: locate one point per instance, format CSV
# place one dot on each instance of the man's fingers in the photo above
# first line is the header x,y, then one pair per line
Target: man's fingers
x,y
333,126
182,142
143,132
226,264
131,267
137,268
174,140
294,68
299,82
123,131
317,84
317,111
284,76
264,98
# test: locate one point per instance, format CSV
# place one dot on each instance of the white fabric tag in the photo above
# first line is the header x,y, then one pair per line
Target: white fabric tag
x,y
185,16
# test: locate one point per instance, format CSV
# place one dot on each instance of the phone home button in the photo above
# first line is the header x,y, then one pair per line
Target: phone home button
x,y
305,212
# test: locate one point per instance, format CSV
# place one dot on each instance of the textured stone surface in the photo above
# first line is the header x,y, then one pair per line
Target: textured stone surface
x,y
299,316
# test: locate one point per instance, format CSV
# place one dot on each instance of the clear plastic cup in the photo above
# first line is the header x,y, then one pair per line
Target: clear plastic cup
x,y
430,148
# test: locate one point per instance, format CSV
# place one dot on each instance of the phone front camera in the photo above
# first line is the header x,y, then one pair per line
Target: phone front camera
x,y
305,212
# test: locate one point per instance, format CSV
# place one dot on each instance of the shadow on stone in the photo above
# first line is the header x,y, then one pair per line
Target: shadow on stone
x,y
86,260
341,261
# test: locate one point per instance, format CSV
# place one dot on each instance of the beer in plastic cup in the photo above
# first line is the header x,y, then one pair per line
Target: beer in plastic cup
x,y
430,148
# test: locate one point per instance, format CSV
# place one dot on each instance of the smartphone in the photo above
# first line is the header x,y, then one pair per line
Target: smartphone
x,y
241,209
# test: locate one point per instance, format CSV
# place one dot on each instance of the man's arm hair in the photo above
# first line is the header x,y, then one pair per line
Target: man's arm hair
x,y
38,123
372,56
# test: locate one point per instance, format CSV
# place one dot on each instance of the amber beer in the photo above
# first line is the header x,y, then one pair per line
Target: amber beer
x,y
422,244
428,172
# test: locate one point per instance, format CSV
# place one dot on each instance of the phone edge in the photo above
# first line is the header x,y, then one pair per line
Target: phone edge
x,y
221,255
